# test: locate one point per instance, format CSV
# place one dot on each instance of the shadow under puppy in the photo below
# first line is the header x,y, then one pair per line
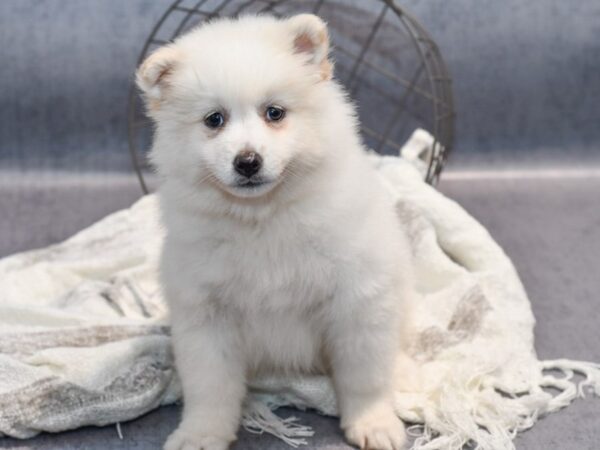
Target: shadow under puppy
x,y
283,252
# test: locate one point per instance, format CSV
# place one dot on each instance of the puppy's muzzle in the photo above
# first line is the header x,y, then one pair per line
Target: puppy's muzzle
x,y
247,163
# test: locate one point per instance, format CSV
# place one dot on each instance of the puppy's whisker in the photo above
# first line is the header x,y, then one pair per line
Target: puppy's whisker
x,y
206,177
291,173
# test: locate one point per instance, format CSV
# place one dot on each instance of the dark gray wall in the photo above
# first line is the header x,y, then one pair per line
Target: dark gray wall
x,y
527,78
66,68
526,75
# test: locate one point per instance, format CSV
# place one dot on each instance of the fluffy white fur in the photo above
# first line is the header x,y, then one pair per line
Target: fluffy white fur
x,y
304,273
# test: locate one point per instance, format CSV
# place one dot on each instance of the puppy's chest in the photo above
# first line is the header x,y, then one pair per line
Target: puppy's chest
x,y
273,268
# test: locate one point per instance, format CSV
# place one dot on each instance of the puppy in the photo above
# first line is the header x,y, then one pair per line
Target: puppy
x,y
283,252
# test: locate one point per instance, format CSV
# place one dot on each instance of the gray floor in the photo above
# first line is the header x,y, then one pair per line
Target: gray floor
x,y
550,227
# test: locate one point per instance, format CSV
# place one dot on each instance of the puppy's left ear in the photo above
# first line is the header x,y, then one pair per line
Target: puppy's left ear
x,y
310,38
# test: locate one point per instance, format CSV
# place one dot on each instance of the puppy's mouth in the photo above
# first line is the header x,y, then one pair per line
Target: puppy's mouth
x,y
249,183
251,187
244,187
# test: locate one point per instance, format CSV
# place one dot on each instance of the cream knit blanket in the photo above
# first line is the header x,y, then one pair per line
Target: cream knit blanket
x,y
84,340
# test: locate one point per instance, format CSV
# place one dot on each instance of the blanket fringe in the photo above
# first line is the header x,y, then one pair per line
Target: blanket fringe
x,y
259,418
488,417
469,409
571,389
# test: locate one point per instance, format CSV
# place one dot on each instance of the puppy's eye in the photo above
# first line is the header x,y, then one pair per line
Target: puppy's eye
x,y
214,120
274,113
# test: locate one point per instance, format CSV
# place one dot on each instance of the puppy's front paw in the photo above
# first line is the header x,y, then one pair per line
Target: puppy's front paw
x,y
182,439
377,430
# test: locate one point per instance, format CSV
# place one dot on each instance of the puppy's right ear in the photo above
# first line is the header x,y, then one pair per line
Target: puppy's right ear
x,y
154,74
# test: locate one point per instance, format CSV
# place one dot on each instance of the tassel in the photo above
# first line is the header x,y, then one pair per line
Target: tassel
x,y
591,372
258,418
468,412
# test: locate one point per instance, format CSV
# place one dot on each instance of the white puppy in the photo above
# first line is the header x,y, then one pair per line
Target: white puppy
x,y
283,251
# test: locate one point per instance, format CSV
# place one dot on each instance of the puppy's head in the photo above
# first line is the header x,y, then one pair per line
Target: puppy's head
x,y
237,102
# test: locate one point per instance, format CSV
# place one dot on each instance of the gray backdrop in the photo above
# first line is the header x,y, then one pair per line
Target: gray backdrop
x,y
526,77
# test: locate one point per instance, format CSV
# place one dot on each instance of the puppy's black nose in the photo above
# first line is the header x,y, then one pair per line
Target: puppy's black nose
x,y
247,163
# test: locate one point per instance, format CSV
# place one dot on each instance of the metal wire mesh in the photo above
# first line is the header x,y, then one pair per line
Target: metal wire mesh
x,y
383,56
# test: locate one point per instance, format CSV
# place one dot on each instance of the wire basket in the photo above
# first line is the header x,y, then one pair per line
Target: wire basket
x,y
388,63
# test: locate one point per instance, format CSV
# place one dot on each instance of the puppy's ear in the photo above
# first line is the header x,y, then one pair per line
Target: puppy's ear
x,y
154,74
310,37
